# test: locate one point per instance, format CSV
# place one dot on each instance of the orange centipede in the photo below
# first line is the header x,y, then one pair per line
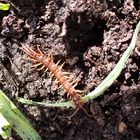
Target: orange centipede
x,y
47,62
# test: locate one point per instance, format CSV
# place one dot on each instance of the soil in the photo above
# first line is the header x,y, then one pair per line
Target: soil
x,y
90,36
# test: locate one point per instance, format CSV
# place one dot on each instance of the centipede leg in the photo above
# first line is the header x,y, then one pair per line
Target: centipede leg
x,y
80,91
34,60
69,117
41,68
91,116
74,83
51,75
58,63
50,56
68,96
36,65
46,70
68,76
62,66
56,81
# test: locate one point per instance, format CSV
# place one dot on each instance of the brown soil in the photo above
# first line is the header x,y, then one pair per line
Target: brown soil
x,y
90,36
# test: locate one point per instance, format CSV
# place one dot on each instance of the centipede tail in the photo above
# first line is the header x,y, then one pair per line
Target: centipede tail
x,y
56,71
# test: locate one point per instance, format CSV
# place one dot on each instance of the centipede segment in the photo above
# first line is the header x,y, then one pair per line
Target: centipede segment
x,y
56,71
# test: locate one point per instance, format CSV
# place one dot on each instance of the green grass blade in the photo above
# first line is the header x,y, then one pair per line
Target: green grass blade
x,y
56,104
17,121
107,82
5,128
4,7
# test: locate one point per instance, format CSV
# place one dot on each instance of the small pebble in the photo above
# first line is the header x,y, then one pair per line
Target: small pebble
x,y
122,128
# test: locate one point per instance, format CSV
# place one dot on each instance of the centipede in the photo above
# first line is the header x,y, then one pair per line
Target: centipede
x,y
47,62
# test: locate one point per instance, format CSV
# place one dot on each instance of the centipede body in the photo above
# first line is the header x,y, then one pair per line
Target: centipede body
x,y
56,71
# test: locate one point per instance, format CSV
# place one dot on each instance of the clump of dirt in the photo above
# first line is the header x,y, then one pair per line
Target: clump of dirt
x,y
90,37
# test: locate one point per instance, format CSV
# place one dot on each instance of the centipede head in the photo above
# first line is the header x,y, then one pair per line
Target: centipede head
x,y
30,52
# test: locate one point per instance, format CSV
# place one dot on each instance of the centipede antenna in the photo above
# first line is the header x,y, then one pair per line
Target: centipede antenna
x,y
40,51
25,50
28,51
28,59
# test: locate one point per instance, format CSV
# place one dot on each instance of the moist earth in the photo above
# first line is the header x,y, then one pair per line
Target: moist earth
x,y
90,36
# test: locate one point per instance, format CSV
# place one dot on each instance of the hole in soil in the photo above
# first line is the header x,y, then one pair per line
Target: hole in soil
x,y
121,15
134,78
83,30
6,63
1,86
